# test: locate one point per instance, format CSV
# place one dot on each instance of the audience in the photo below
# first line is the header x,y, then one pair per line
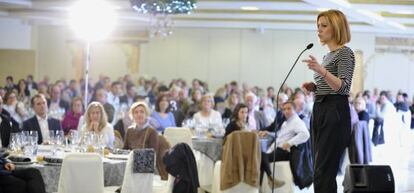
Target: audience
x,y
41,122
207,117
96,122
161,115
71,119
7,125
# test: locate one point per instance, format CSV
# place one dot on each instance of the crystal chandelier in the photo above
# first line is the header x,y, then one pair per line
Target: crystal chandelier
x,y
163,6
161,10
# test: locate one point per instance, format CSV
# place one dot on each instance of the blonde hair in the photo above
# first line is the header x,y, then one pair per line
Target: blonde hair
x,y
103,121
209,97
340,26
136,105
360,104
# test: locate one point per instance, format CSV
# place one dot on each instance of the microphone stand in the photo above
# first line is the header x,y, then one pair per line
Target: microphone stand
x,y
277,109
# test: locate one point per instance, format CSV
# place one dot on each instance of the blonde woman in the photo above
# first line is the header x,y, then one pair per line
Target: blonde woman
x,y
142,135
207,117
331,117
96,121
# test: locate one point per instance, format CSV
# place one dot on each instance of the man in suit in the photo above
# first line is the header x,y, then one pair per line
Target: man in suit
x,y
7,125
41,122
256,119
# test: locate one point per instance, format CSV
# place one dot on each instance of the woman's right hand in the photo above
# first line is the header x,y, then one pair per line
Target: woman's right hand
x,y
94,126
309,86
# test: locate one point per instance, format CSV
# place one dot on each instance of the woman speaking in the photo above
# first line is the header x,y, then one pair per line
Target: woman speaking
x,y
331,119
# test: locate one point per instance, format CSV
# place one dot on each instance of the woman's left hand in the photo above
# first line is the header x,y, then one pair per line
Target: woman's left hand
x,y
314,65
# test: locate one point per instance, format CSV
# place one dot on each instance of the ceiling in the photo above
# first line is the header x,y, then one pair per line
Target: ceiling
x,y
378,16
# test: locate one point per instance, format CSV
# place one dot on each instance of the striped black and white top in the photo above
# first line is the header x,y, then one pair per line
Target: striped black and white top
x,y
340,63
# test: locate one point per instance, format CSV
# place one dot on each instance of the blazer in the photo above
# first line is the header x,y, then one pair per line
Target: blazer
x,y
261,121
8,125
33,125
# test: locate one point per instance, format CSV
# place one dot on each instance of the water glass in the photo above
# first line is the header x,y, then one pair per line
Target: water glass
x,y
201,132
15,142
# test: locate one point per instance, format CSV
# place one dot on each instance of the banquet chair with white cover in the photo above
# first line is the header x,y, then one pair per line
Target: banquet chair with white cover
x,y
205,165
284,173
162,186
241,187
80,173
240,165
176,135
139,182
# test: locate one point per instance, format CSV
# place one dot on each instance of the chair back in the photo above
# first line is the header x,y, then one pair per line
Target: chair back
x,y
241,158
177,135
139,181
80,173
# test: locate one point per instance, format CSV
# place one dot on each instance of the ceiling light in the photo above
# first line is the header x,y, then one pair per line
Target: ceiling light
x,y
249,8
92,20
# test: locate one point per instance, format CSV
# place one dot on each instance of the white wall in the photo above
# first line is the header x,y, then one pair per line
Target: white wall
x,y
222,55
218,56
391,71
14,34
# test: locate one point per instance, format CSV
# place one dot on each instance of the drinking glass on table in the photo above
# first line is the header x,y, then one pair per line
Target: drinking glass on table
x,y
15,142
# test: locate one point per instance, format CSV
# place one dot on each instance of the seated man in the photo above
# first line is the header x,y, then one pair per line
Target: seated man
x,y
293,132
26,180
41,122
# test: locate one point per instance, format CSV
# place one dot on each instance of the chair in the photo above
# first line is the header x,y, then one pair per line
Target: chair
x,y
360,151
180,162
138,182
240,166
284,173
119,141
162,186
241,187
177,135
80,173
205,167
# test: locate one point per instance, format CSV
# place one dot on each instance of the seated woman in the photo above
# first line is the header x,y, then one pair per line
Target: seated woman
x,y
207,117
194,107
360,107
231,103
23,93
96,122
239,122
21,180
14,107
71,118
161,115
142,135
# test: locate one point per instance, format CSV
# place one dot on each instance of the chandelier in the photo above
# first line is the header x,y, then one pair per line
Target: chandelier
x,y
161,11
163,6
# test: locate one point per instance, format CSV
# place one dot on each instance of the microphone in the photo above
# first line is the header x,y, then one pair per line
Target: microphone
x,y
309,46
